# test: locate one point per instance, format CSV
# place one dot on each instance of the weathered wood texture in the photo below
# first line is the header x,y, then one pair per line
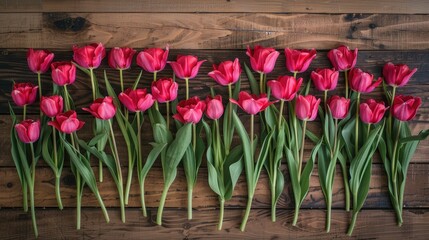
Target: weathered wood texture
x,y
269,6
371,224
215,30
415,195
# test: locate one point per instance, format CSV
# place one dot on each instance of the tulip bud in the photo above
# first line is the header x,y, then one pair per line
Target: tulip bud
x,y
339,107
51,106
164,90
285,87
361,81
250,103
262,59
397,75
405,107
190,111
89,56
186,66
226,73
306,107
63,73
136,100
28,130
24,93
298,61
371,112
67,122
121,58
214,109
153,59
39,60
102,108
342,58
325,79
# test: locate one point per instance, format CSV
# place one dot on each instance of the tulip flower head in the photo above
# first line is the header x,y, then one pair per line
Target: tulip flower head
x,y
28,130
164,90
67,122
405,107
24,93
339,106
342,58
298,61
186,67
362,82
51,106
153,59
136,100
102,108
397,75
371,112
121,58
89,56
39,60
262,59
63,73
190,111
214,107
306,107
285,87
325,79
250,103
226,73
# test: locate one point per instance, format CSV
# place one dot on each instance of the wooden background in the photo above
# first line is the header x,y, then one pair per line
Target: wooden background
x,y
383,30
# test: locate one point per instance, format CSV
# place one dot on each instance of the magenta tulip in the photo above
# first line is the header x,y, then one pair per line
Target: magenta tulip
x,y
298,61
24,93
51,106
39,60
153,59
250,103
342,58
306,107
164,90
405,107
226,73
89,56
262,59
28,130
285,87
67,122
325,79
102,108
361,81
371,112
190,111
63,73
214,107
186,67
136,100
397,75
339,107
121,58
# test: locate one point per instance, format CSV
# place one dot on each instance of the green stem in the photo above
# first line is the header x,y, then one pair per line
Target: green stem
x,y
142,198
168,114
247,212
194,137
346,186
190,190
119,171
66,99
39,81
154,76
57,173
227,145
161,205
140,165
130,174
154,80
221,209
187,88
294,74
31,188
352,224
25,196
252,127
389,120
328,213
394,171
94,92
325,98
261,83
78,199
357,124
273,194
301,156
347,83
282,103
121,79
24,112
295,214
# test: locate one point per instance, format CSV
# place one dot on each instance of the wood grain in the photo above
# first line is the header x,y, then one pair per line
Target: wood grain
x,y
269,6
415,195
61,225
215,30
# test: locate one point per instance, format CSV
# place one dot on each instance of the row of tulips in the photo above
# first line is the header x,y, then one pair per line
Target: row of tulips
x,y
352,131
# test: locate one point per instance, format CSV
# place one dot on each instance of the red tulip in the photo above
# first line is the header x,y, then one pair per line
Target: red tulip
x,y
120,58
339,107
102,108
51,106
63,73
250,103
342,58
371,112
405,107
298,61
361,81
164,90
153,59
24,93
39,60
397,75
325,79
226,73
285,87
186,67
262,59
67,122
214,108
28,130
136,100
306,107
89,56
190,111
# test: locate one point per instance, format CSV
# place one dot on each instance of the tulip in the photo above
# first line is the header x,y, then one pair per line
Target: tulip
x,y
214,109
371,112
120,58
362,82
28,130
89,56
285,87
153,59
342,58
186,67
325,79
190,111
164,90
136,100
67,122
405,107
262,59
39,60
226,73
298,61
51,106
63,73
306,107
251,103
339,107
102,108
24,93
397,75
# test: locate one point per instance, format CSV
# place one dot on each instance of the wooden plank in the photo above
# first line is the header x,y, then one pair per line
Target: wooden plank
x,y
415,195
371,224
269,6
215,30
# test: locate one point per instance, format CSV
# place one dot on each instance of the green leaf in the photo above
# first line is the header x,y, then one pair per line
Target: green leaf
x,y
262,157
421,136
306,173
253,83
234,166
237,88
17,148
136,82
347,136
213,178
153,155
293,174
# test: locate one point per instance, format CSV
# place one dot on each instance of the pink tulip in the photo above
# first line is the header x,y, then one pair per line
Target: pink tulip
x,y
67,122
298,61
186,67
361,81
325,79
342,58
250,103
306,107
24,93
226,73
63,73
89,56
51,106
397,75
153,59
102,108
285,87
39,60
214,109
405,107
121,58
190,111
28,130
339,107
371,112
136,100
164,90
262,59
